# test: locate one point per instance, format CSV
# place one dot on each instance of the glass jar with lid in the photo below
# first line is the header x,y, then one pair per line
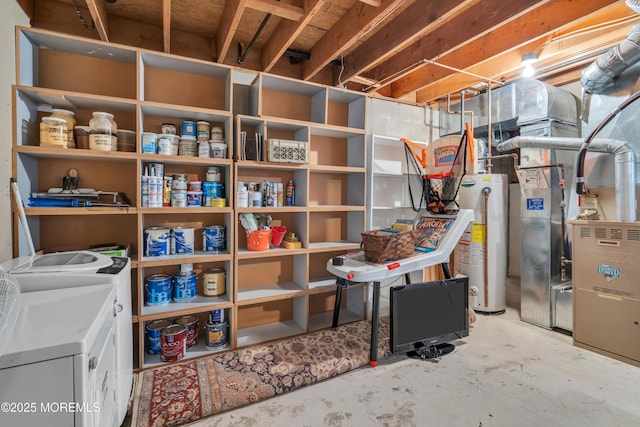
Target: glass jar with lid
x,y
69,117
103,134
53,132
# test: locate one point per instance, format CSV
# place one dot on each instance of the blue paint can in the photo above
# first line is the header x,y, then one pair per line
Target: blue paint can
x,y
189,128
217,189
152,331
158,289
182,240
185,287
213,238
157,241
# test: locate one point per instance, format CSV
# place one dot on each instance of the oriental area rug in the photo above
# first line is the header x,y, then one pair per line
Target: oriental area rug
x,y
186,391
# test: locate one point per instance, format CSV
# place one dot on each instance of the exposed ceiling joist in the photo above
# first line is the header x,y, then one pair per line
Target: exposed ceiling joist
x,y
355,23
511,35
374,3
277,8
286,34
100,18
412,24
228,25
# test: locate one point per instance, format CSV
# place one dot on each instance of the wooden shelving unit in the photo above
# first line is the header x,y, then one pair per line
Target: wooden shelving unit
x,y
269,294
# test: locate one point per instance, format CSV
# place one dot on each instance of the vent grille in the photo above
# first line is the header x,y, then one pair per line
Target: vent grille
x,y
633,234
585,232
601,233
616,233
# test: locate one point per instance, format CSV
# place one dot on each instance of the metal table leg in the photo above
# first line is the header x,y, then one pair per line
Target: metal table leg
x,y
375,308
336,305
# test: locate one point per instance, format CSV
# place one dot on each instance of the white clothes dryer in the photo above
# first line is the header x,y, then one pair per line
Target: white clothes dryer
x,y
59,364
82,269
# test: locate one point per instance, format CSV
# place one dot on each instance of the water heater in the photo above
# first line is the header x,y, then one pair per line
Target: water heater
x,y
481,253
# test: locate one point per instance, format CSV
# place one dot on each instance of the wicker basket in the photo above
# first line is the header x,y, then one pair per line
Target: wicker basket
x,y
382,246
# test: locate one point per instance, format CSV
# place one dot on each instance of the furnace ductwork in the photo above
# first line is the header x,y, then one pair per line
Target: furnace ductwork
x,y
603,72
624,164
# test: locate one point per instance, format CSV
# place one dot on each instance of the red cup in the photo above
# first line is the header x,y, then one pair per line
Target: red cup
x,y
277,234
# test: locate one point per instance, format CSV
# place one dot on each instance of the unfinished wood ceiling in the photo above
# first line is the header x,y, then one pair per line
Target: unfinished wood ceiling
x,y
416,51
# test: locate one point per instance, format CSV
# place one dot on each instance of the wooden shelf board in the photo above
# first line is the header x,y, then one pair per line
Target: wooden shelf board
x,y
333,246
322,286
269,332
253,164
185,160
76,153
336,208
77,100
183,211
256,295
80,211
198,256
247,254
184,112
177,309
336,169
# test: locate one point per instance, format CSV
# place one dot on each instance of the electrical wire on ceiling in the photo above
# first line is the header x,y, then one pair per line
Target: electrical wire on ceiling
x,y
79,13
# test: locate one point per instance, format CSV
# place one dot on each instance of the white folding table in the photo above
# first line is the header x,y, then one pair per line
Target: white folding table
x,y
352,268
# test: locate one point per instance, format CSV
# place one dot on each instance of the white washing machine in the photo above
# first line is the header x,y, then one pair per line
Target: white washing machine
x,y
59,364
84,269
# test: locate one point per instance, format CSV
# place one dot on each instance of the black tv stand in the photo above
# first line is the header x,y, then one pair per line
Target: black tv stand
x,y
434,352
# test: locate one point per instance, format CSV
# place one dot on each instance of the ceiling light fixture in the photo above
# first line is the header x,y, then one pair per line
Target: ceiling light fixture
x,y
527,62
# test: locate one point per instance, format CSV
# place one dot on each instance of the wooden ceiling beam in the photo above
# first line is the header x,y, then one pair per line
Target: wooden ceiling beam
x,y
536,24
556,57
354,24
286,33
229,22
274,7
374,3
166,25
413,23
100,18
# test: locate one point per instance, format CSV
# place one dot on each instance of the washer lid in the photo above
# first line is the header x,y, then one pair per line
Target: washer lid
x,y
58,323
74,261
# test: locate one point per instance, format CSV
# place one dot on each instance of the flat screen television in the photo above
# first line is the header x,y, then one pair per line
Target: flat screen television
x,y
426,317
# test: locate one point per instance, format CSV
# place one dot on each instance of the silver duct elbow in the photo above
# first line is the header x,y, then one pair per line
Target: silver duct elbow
x,y
624,164
603,72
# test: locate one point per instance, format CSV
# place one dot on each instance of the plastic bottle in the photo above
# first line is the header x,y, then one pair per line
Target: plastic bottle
x,y
243,196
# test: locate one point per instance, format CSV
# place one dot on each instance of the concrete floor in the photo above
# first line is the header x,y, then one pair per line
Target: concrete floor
x,y
505,373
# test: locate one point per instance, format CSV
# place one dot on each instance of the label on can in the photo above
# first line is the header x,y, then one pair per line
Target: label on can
x,y
182,241
157,289
152,331
156,241
149,142
188,128
185,287
213,282
213,173
213,238
192,326
173,343
215,334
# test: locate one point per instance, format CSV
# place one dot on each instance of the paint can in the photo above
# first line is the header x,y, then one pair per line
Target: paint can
x,y
216,316
149,142
169,128
157,289
152,331
182,241
173,343
188,146
157,241
217,190
166,144
194,199
213,238
192,325
179,198
213,173
179,181
185,287
202,130
215,334
188,129
213,282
